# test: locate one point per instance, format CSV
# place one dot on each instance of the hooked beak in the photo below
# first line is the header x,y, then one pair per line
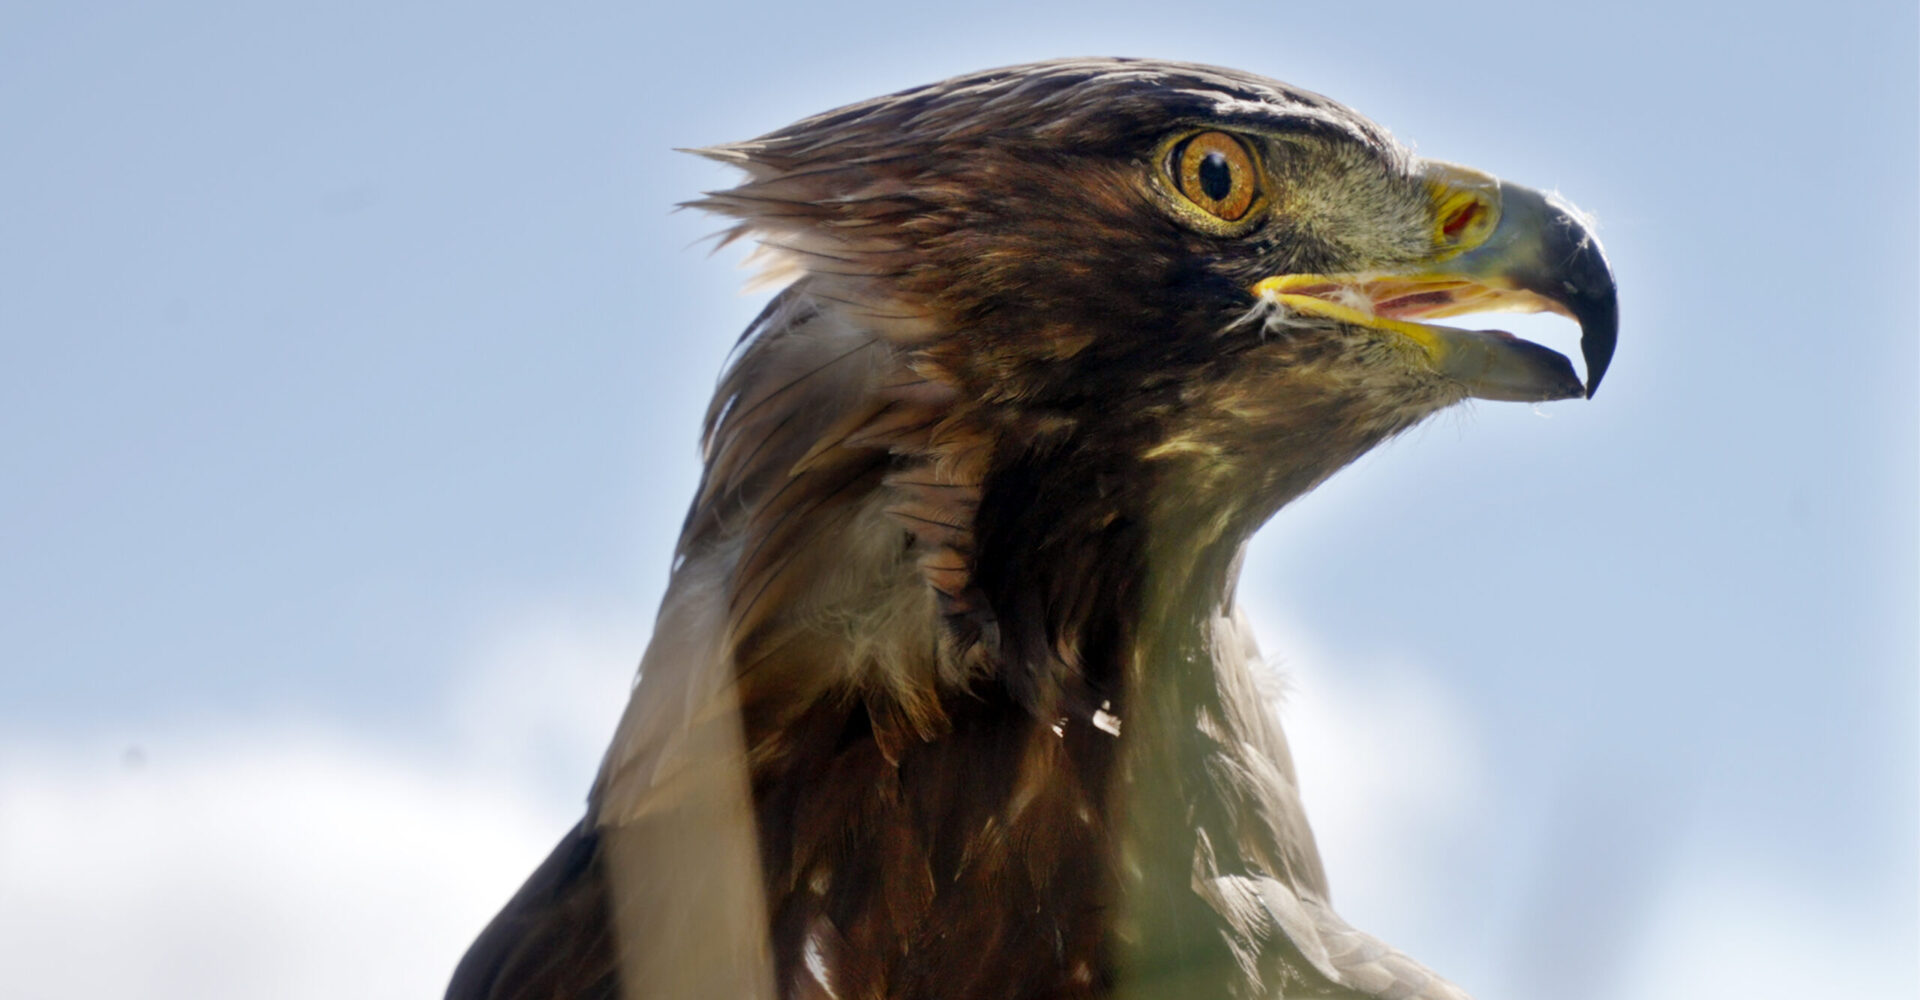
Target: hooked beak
x,y
1500,248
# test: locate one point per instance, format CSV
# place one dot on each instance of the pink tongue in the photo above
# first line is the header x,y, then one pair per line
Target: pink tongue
x,y
1413,305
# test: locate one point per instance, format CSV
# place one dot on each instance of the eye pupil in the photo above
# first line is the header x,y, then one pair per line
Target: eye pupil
x,y
1216,176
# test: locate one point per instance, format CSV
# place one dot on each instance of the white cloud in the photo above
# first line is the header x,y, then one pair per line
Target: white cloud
x,y
1391,775
1395,783
246,865
1729,930
542,702
1387,764
298,861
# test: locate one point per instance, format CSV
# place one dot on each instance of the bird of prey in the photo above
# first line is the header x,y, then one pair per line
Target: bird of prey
x,y
949,696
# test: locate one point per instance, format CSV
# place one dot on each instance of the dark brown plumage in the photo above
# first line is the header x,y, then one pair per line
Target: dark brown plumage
x,y
948,696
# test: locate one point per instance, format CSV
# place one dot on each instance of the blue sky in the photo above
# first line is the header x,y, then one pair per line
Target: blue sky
x,y
351,356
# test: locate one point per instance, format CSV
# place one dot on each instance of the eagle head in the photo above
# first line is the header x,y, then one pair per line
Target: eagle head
x,y
1223,279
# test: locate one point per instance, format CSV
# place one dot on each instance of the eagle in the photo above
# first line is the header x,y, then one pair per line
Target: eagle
x,y
949,695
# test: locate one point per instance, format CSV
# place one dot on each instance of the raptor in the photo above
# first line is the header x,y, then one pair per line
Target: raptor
x,y
949,696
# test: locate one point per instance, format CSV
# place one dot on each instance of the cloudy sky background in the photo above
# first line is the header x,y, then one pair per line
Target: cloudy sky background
x,y
350,363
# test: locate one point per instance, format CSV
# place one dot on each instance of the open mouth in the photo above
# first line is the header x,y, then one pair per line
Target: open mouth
x,y
1491,364
1404,297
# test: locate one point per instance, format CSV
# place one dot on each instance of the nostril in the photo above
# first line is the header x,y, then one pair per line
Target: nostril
x,y
1461,218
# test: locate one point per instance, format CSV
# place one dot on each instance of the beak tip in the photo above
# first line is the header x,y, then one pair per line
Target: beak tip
x,y
1597,349
1598,312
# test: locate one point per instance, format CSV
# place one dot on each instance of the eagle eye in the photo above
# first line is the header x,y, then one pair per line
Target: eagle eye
x,y
1215,171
